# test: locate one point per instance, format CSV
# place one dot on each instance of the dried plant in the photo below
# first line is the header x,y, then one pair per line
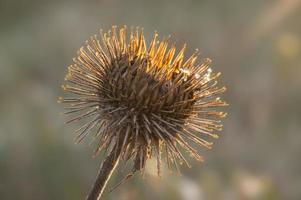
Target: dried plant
x,y
141,101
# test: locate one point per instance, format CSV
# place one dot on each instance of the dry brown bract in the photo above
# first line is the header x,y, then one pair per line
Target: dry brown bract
x,y
142,101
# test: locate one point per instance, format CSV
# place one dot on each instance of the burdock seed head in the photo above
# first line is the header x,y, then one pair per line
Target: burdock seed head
x,y
142,101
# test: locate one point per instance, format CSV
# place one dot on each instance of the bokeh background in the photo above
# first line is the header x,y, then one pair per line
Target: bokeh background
x,y
255,44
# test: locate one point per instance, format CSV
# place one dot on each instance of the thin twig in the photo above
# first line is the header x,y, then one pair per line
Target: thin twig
x,y
104,174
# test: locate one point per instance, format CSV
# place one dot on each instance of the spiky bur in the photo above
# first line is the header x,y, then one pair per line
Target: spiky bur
x,y
142,101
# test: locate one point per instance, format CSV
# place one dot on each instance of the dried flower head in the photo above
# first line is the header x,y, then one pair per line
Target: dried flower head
x,y
142,101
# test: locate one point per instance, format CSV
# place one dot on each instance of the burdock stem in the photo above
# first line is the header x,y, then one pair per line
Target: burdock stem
x,y
104,174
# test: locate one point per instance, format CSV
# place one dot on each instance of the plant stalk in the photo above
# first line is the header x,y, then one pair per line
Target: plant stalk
x,y
104,174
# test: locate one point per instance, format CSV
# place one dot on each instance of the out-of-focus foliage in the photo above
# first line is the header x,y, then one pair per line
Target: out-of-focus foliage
x,y
255,44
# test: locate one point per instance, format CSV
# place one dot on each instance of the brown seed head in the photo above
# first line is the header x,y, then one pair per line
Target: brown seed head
x,y
143,101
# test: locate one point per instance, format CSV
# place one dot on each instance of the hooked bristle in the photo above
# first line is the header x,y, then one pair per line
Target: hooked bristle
x,y
143,100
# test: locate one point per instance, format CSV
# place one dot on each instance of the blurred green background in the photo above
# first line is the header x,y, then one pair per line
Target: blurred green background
x,y
255,44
